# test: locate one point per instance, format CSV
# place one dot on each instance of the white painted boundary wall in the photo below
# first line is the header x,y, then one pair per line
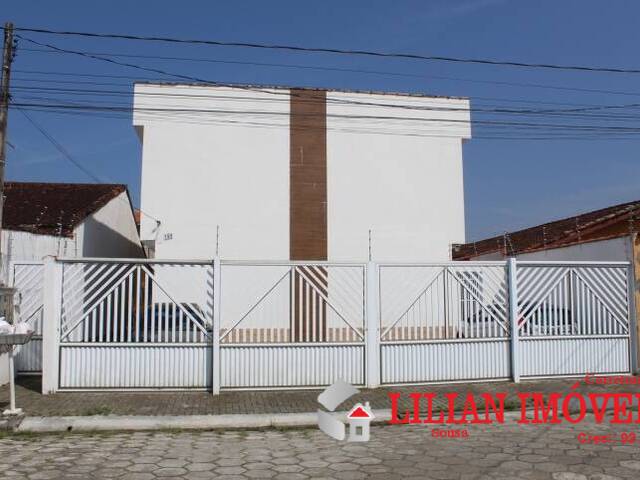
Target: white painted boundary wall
x,y
119,324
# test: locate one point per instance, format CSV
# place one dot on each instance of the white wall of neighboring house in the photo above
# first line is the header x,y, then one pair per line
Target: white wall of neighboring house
x,y
110,231
611,250
402,180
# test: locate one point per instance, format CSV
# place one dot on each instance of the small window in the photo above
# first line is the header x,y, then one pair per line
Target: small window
x,y
358,430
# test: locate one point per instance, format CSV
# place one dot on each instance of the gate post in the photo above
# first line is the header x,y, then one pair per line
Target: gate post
x,y
372,327
51,310
513,319
215,331
633,315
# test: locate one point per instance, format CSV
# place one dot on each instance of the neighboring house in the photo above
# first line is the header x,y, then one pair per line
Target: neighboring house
x,y
608,234
62,220
67,220
263,173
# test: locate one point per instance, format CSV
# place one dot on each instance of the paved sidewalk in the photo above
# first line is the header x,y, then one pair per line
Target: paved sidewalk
x,y
507,451
34,403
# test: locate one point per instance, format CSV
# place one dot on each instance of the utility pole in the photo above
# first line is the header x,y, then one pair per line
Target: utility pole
x,y
7,58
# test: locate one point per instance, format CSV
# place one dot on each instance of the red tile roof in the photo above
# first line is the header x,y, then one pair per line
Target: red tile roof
x,y
611,222
53,208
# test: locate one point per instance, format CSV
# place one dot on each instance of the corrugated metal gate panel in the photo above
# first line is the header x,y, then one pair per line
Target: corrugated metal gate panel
x,y
574,356
125,367
291,365
445,361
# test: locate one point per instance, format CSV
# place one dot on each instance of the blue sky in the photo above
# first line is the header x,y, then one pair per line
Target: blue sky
x,y
509,184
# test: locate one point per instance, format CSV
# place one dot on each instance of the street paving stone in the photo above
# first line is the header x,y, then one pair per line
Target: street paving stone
x,y
30,399
499,451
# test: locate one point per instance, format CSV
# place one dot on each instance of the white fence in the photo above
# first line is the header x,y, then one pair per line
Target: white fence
x,y
132,324
28,280
291,324
573,318
444,322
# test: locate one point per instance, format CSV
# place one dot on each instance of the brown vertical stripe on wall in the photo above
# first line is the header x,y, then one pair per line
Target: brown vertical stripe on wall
x,y
308,175
308,210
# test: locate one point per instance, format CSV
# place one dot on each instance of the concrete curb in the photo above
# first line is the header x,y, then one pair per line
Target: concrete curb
x,y
103,423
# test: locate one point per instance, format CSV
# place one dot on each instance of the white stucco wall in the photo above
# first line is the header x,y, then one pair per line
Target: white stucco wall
x,y
200,171
110,231
612,250
401,180
25,246
227,167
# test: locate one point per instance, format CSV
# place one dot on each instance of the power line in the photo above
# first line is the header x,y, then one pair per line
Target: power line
x,y
342,70
261,89
480,99
537,134
191,78
263,113
59,147
339,51
66,153
581,112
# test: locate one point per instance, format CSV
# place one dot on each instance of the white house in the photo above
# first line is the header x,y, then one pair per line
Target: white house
x,y
61,220
269,173
608,234
67,220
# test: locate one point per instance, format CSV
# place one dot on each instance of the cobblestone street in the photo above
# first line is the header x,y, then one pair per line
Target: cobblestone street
x,y
491,451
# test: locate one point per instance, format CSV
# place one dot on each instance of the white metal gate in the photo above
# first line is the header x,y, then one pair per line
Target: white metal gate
x,y
573,318
138,324
135,324
443,322
291,324
28,280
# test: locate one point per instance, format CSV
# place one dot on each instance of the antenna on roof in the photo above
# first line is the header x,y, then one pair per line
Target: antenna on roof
x,y
632,220
60,230
217,240
507,238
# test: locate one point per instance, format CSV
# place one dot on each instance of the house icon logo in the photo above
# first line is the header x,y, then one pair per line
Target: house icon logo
x,y
359,417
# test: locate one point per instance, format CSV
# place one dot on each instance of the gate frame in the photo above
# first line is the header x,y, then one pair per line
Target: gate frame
x,y
372,344
366,356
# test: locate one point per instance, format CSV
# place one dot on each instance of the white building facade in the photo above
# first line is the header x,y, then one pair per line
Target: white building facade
x,y
256,173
